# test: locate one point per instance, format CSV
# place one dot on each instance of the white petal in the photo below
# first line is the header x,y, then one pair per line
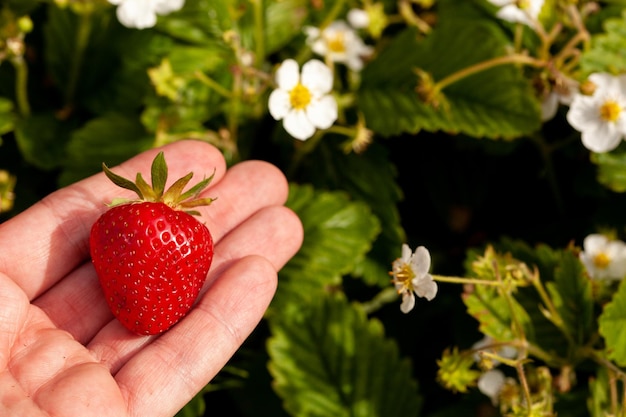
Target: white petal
x,y
408,302
279,104
549,106
115,2
322,113
595,242
508,351
421,261
513,14
603,81
501,3
317,77
491,383
164,7
319,46
425,287
298,125
136,14
358,18
583,112
312,33
601,138
406,253
288,75
354,62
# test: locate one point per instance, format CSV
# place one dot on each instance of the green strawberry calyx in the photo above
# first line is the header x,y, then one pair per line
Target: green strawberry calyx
x,y
174,196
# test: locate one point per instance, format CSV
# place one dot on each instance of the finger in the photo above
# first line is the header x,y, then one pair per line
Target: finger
x,y
48,240
247,187
171,370
277,235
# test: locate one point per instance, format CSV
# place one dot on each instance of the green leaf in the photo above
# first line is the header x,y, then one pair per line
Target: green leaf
x,y
541,331
111,138
42,138
571,294
7,117
328,359
200,21
189,59
283,22
97,63
494,103
612,322
607,49
611,169
125,86
121,181
338,233
493,313
159,174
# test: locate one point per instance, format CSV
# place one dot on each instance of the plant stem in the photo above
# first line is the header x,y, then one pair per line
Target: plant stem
x,y
459,280
259,33
333,13
409,16
82,40
211,83
21,85
553,315
482,66
386,296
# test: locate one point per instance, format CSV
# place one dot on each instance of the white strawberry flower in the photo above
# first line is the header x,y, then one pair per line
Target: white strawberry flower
x,y
142,14
303,101
338,42
601,117
518,11
603,258
410,276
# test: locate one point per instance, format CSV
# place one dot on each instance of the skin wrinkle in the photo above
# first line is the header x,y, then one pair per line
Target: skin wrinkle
x,y
83,297
110,354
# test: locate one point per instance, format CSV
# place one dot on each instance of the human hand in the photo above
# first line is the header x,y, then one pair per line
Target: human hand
x,y
62,353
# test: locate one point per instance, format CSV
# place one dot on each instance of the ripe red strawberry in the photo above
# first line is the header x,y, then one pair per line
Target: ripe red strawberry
x,y
152,258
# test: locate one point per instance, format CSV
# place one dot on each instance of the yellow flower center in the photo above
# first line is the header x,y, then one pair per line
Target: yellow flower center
x,y
337,42
404,274
523,4
300,97
610,111
601,260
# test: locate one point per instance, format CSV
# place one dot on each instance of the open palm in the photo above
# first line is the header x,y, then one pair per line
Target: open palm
x,y
61,351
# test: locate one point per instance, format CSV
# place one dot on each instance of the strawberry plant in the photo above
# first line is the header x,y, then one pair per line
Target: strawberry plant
x,y
151,254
